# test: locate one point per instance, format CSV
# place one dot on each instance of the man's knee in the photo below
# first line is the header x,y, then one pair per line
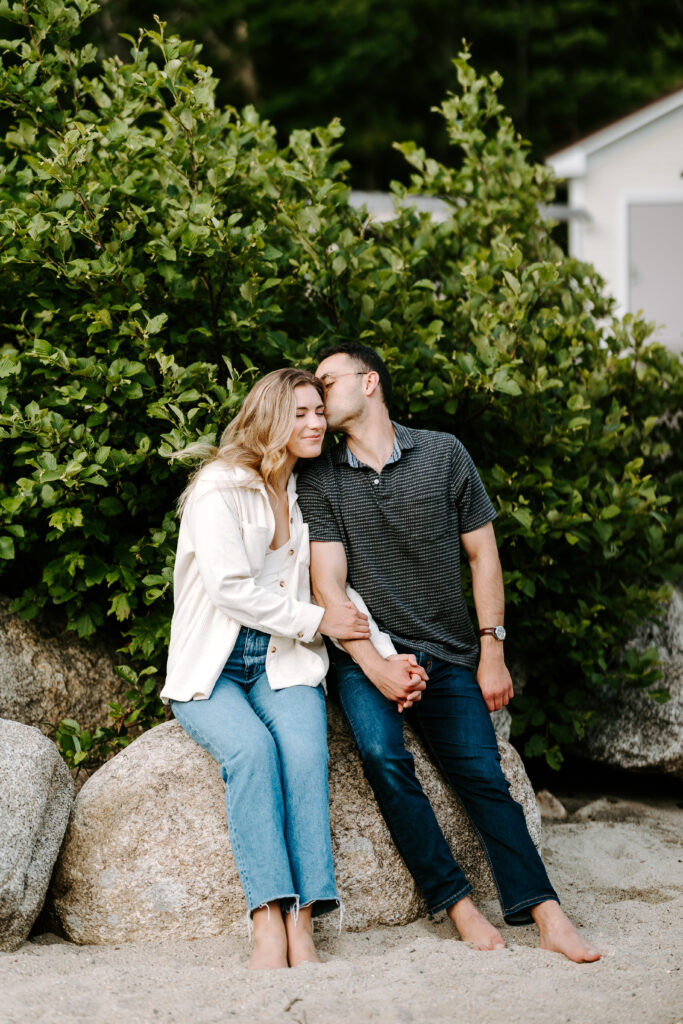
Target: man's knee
x,y
483,772
385,759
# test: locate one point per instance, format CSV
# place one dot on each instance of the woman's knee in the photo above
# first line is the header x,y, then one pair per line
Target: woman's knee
x,y
253,750
304,752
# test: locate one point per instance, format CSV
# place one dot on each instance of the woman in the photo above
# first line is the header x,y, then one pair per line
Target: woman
x,y
246,663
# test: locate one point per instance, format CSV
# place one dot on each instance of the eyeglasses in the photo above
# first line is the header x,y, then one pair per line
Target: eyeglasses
x,y
327,381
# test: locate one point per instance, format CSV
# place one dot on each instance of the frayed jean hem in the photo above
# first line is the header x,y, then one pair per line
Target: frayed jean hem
x,y
321,905
290,904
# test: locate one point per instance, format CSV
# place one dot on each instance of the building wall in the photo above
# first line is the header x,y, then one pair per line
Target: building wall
x,y
643,167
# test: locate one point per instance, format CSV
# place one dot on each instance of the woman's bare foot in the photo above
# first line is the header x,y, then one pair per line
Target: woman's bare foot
x,y
300,947
270,939
473,927
559,935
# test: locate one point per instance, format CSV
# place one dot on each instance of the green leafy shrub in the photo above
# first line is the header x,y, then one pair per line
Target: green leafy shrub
x,y
157,251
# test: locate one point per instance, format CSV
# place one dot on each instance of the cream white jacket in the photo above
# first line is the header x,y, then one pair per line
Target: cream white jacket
x,y
226,529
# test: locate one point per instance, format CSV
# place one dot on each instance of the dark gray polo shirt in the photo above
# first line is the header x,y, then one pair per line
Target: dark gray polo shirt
x,y
401,532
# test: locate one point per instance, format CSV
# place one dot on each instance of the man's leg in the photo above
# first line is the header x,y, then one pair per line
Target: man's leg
x,y
377,728
453,719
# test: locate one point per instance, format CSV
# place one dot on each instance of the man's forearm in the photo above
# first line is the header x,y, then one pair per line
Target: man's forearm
x,y
489,600
487,589
330,592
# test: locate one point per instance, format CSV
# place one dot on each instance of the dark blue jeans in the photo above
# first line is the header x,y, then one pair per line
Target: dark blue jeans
x,y
453,721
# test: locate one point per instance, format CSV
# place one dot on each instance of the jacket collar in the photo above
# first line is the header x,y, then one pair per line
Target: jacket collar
x,y
239,476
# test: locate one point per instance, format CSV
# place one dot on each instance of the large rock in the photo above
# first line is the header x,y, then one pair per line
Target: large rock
x,y
36,794
147,850
502,723
45,676
633,731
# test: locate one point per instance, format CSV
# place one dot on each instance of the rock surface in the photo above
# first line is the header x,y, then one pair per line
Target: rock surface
x,y
45,677
502,723
635,732
147,850
36,794
550,807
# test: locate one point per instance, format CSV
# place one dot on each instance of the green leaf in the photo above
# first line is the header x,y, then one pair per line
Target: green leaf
x,y
6,547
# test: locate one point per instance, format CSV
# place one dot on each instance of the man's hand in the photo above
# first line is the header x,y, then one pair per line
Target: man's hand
x,y
494,679
401,679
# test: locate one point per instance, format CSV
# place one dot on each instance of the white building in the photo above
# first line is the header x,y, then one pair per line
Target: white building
x,y
626,211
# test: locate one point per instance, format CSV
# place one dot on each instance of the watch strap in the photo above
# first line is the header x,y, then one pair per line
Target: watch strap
x,y
493,631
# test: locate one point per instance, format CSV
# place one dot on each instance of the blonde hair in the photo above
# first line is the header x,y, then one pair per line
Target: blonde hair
x,y
257,437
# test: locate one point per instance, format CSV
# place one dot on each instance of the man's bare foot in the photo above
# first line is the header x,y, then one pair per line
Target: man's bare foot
x,y
270,939
473,927
300,947
559,935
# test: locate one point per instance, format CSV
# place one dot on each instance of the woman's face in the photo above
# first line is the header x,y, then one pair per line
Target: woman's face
x,y
306,439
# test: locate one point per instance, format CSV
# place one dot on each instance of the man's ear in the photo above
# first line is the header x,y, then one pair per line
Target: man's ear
x,y
371,382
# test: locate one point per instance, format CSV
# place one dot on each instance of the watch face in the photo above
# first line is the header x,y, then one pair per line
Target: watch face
x,y
500,633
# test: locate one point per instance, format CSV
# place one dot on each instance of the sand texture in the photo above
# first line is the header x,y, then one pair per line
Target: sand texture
x,y
618,865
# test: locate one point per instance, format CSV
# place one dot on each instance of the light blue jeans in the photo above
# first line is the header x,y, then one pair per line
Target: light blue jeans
x,y
271,746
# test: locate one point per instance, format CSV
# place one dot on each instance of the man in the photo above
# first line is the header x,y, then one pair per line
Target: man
x,y
388,509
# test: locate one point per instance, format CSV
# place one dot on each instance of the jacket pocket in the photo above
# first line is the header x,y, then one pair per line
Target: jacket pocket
x,y
256,540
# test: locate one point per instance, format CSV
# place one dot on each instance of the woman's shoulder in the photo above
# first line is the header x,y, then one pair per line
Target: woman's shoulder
x,y
219,473
220,477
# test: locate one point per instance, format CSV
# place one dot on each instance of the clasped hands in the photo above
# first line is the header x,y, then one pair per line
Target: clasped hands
x,y
402,680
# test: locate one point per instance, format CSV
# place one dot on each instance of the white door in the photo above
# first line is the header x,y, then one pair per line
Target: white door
x,y
655,232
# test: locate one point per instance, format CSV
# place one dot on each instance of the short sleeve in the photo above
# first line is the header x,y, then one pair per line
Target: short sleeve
x,y
317,510
467,492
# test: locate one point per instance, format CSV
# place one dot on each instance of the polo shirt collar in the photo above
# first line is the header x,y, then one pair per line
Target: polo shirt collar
x,y
402,442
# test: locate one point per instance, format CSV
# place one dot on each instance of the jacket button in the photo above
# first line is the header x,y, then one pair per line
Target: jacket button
x,y
300,635
291,551
291,519
282,583
273,650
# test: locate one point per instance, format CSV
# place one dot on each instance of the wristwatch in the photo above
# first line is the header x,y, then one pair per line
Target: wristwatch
x,y
497,631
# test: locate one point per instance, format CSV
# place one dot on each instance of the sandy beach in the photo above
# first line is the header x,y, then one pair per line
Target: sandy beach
x,y
617,863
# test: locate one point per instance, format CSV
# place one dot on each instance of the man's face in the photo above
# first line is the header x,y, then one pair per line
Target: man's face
x,y
344,393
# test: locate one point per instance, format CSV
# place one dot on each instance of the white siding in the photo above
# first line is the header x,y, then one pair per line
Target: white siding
x,y
642,167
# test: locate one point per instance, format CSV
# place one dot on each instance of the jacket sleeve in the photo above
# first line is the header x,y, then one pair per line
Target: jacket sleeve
x,y
227,576
382,642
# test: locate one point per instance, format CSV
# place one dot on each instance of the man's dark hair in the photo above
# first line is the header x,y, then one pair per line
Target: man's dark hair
x,y
366,357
